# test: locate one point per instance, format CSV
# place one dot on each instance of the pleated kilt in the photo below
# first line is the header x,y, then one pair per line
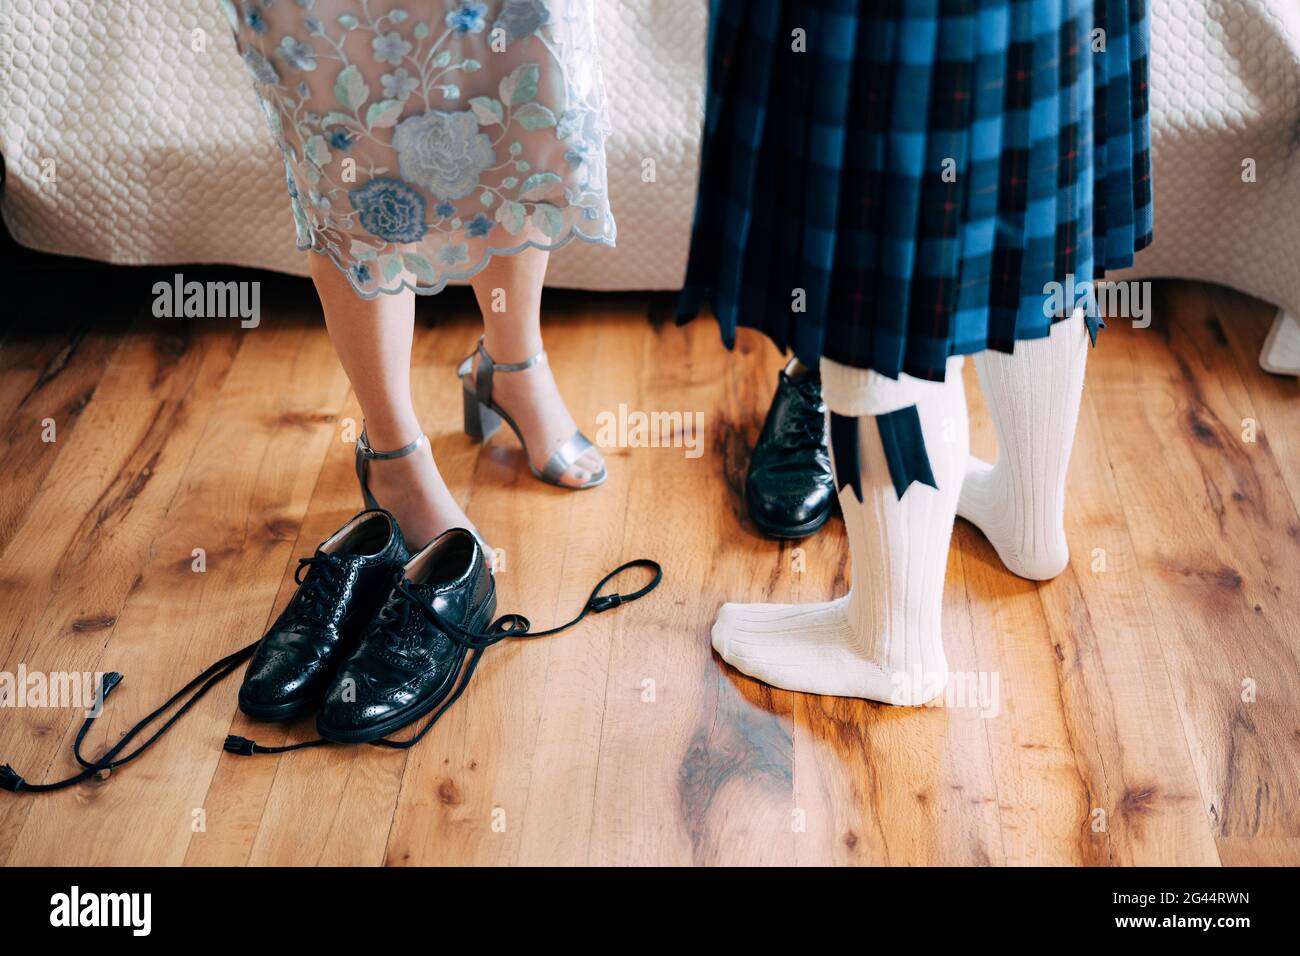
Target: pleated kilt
x,y
887,184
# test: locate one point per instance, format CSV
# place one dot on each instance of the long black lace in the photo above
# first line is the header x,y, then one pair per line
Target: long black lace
x,y
803,425
476,642
318,589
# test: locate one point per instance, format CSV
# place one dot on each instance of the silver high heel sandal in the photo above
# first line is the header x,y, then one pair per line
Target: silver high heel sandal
x,y
366,454
483,417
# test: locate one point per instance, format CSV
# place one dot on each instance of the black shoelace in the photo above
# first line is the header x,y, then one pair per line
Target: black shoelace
x,y
803,425
505,626
393,623
318,589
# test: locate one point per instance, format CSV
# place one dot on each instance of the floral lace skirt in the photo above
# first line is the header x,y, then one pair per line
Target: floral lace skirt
x,y
422,138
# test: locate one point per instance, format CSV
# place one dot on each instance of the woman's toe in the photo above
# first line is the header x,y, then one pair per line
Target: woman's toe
x,y
591,465
587,467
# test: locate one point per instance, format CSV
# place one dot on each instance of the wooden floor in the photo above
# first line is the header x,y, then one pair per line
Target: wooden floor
x,y
1147,708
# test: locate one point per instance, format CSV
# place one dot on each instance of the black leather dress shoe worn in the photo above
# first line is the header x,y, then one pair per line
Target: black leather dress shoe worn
x,y
406,665
789,489
341,588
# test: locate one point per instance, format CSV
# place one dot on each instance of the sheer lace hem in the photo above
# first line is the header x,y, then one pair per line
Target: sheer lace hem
x,y
346,267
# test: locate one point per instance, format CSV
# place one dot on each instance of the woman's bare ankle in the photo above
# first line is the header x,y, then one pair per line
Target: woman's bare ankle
x,y
413,490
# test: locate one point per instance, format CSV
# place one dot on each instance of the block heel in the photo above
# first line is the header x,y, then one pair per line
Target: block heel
x,y
480,421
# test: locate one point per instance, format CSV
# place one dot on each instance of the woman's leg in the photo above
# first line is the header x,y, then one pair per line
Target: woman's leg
x,y
373,340
509,292
1019,501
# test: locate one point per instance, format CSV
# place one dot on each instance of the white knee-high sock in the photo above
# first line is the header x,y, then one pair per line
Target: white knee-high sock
x,y
1019,500
882,640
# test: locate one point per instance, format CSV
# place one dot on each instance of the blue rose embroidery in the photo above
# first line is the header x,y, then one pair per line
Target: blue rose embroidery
x,y
390,209
438,158
467,18
443,152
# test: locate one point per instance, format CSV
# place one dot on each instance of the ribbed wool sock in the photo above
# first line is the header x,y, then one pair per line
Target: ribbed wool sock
x,y
1019,500
883,639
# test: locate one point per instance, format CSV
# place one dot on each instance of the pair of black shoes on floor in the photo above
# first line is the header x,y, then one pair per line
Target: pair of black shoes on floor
x,y
789,489
365,640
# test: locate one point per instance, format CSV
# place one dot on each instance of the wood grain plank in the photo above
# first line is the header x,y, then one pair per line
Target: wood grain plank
x,y
1244,323
556,822
1141,803
87,536
1122,712
1259,851
1044,796
241,499
1203,509
45,378
628,740
694,767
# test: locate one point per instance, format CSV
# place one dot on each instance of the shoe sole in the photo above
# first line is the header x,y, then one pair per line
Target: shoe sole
x,y
276,711
478,622
787,532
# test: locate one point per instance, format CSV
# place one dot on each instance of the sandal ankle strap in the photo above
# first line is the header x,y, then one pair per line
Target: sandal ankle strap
x,y
487,366
364,449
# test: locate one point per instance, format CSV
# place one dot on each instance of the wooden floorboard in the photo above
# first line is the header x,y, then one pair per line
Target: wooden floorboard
x,y
1145,702
1211,521
88,534
241,500
46,382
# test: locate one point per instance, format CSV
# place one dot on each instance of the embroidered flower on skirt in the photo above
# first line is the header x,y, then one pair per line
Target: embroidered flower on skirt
x,y
422,138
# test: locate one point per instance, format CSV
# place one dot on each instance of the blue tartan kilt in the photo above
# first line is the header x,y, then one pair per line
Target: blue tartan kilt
x,y
906,186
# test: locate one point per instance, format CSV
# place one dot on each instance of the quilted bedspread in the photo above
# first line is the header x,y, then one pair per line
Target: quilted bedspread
x,y
131,135
161,154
